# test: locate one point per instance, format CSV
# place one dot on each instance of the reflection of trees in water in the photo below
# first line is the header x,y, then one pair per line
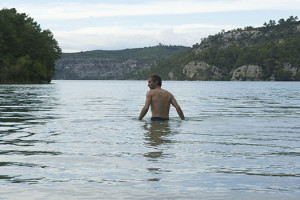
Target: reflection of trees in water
x,y
24,109
24,105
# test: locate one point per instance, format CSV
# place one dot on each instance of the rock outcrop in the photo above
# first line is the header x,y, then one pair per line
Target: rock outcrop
x,y
202,71
247,72
288,67
273,48
118,64
98,69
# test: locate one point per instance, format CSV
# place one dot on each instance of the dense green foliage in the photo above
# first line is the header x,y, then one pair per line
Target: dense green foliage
x,y
267,54
271,47
27,53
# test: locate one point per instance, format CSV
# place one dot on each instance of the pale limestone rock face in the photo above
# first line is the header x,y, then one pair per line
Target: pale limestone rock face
x,y
288,67
201,71
98,68
247,72
171,76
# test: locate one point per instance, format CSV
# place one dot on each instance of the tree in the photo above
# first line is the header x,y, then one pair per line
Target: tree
x,y
283,75
270,47
281,21
27,53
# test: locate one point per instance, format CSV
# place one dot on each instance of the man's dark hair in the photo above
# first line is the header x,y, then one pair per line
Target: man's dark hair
x,y
156,77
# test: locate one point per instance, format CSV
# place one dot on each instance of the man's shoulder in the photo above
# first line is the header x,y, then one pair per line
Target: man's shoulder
x,y
157,91
150,92
167,92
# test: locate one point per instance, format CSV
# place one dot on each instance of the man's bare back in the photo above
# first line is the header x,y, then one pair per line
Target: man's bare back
x,y
160,101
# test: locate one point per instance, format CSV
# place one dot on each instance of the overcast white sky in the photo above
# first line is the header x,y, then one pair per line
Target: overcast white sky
x,y
83,25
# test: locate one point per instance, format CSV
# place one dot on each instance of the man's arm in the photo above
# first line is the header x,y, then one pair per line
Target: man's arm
x,y
178,109
146,107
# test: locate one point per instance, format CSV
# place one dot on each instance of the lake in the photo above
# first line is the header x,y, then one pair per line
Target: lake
x,y
82,140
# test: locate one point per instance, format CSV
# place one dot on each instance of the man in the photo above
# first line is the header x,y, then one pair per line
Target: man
x,y
159,100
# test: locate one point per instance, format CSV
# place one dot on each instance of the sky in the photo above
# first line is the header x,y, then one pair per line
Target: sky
x,y
84,25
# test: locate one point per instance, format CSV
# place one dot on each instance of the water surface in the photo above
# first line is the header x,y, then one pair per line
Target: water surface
x,y
82,140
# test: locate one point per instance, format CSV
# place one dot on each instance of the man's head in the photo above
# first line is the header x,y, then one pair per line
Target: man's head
x,y
154,80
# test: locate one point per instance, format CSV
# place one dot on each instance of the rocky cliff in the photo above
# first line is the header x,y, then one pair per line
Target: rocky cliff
x,y
268,53
202,71
247,73
99,68
262,53
102,65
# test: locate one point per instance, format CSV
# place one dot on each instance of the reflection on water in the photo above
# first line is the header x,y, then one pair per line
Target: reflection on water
x,y
155,136
24,108
82,140
157,133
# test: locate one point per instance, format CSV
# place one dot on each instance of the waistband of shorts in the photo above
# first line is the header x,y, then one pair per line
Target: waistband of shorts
x,y
158,119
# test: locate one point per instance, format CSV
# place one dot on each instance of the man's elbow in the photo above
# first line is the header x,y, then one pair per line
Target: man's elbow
x,y
177,107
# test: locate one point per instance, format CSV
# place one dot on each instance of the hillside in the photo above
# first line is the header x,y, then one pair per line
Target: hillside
x,y
270,52
120,64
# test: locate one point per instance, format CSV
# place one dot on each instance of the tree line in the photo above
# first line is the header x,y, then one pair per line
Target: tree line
x,y
27,53
271,47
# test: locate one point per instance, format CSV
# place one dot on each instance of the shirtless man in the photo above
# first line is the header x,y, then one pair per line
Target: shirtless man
x,y
160,101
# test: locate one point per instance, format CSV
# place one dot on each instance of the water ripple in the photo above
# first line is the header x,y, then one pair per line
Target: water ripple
x,y
82,139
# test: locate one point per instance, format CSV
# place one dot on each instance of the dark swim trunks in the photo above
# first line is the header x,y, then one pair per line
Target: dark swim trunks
x,y
158,119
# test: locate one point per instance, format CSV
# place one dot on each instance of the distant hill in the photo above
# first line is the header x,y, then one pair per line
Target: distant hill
x,y
270,52
120,64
